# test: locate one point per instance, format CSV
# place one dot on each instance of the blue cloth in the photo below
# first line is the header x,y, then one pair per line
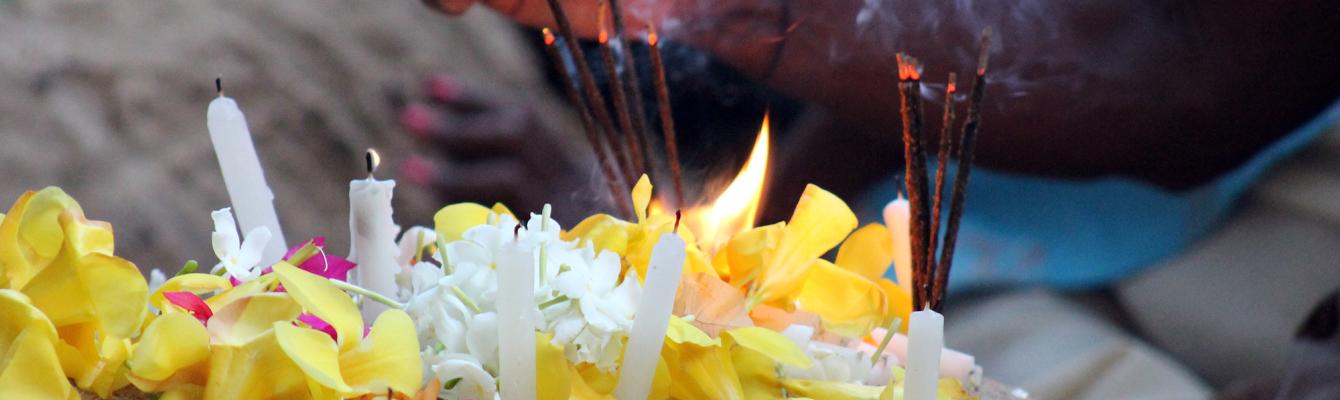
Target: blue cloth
x,y
1020,229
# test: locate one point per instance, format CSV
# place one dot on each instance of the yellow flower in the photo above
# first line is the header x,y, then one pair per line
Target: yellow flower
x,y
351,365
634,241
819,222
29,367
63,263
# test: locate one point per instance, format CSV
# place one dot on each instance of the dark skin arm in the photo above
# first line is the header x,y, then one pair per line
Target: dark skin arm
x,y
1174,95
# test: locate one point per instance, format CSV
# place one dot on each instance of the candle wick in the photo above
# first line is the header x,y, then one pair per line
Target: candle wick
x,y
516,232
678,215
371,158
218,85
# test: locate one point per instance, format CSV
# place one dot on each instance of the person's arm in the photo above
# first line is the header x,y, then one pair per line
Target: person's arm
x,y
1171,94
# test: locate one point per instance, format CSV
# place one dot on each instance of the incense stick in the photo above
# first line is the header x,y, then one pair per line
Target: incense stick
x,y
632,83
667,120
621,104
623,203
965,150
596,101
909,76
942,163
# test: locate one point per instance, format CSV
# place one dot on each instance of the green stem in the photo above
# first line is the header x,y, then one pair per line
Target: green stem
x,y
189,267
378,297
442,252
561,298
888,334
303,253
465,299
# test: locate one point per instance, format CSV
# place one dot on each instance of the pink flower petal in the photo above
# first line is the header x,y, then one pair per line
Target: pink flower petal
x,y
317,323
191,303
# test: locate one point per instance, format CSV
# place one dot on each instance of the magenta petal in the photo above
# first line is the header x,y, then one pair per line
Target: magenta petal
x,y
191,303
328,266
317,323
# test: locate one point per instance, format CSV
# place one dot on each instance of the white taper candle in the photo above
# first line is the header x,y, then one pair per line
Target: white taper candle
x,y
652,318
252,200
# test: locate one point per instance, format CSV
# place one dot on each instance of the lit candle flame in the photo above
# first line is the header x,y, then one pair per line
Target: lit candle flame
x,y
735,209
373,159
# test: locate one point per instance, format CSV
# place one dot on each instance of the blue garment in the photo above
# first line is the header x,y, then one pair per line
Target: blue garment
x,y
1080,234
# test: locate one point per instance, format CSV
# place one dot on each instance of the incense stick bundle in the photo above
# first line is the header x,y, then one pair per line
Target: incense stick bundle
x,y
942,163
595,101
612,179
621,104
667,119
632,82
965,150
909,75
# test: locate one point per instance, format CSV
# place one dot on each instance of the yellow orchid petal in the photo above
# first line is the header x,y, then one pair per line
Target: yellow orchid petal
x,y
321,298
605,233
697,262
714,305
221,299
581,390
195,283
746,252
698,372
249,317
314,353
549,358
660,383
61,295
900,303
868,252
118,293
29,366
388,357
641,198
257,370
600,381
680,331
771,343
832,390
501,209
758,373
93,360
849,304
171,343
821,220
452,221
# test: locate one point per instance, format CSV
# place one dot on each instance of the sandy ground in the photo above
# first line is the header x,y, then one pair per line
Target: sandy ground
x,y
107,100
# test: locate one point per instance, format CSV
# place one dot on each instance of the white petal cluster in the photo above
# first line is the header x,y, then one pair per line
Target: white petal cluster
x,y
581,300
238,257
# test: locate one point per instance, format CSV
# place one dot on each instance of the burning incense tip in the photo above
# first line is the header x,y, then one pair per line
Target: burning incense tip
x,y
984,53
951,86
651,38
604,36
548,37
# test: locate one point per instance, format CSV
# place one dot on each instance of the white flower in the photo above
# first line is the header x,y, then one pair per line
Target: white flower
x,y
237,257
471,380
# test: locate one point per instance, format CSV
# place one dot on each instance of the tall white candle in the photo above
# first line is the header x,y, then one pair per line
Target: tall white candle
x,y
253,202
925,340
372,239
516,329
652,318
896,216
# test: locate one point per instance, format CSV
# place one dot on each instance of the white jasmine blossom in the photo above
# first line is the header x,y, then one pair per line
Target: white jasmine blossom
x,y
237,256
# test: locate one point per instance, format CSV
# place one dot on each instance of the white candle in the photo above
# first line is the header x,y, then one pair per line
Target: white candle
x,y
896,216
516,329
925,340
372,240
652,318
253,202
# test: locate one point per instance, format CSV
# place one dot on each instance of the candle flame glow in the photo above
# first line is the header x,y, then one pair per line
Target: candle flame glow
x,y
373,159
735,209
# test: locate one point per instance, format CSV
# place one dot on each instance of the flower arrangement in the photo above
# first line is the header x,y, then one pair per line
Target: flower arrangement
x,y
764,316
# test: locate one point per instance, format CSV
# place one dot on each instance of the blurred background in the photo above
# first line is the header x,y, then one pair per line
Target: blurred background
x,y
107,100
